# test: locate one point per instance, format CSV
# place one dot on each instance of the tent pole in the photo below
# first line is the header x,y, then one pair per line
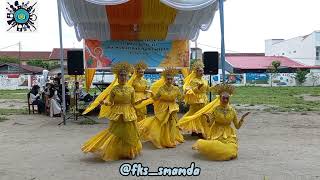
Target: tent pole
x,y
62,66
222,40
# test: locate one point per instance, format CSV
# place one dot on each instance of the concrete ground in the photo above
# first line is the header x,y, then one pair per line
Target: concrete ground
x,y
271,146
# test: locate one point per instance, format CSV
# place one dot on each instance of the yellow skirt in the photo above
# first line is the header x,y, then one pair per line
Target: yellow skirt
x,y
166,135
141,113
198,125
119,141
217,150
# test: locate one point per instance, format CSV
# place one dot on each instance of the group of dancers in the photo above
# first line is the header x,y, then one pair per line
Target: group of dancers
x,y
124,104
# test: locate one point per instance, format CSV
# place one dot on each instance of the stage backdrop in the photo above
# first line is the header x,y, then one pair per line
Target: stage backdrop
x,y
102,54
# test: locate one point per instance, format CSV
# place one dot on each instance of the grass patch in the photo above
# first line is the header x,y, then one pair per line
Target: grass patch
x,y
88,122
286,98
14,94
315,95
3,118
13,111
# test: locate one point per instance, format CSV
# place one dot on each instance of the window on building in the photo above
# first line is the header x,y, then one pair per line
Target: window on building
x,y
13,69
318,53
282,53
294,51
193,55
4,69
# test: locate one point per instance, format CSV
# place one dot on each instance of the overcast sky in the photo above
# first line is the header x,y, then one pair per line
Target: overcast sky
x,y
247,24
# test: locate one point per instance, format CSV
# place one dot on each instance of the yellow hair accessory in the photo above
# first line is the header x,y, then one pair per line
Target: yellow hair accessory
x,y
169,71
122,67
140,65
197,65
221,88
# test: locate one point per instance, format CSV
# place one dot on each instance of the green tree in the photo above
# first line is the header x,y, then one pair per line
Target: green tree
x,y
7,59
53,65
301,76
38,63
273,70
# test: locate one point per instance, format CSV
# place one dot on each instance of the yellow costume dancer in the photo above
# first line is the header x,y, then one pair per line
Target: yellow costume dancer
x,y
161,129
140,86
222,139
195,88
121,139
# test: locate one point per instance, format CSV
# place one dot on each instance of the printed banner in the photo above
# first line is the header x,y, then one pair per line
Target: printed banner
x,y
102,54
257,78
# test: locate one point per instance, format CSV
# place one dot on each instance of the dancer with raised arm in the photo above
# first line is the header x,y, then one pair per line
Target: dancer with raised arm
x,y
195,89
222,143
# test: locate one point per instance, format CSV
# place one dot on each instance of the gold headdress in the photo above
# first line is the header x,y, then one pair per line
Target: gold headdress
x,y
197,64
140,65
221,88
122,66
169,71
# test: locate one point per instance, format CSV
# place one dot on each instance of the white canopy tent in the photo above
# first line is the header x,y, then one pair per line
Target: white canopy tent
x,y
90,21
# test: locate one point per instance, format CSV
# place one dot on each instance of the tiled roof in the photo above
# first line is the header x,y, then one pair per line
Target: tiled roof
x,y
261,62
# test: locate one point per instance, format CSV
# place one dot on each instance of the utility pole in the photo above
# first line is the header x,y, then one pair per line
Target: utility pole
x,y
19,57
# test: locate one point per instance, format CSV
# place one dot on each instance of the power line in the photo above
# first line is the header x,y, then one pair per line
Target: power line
x,y
219,48
9,46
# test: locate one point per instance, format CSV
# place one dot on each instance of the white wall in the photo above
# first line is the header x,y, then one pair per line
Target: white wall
x,y
300,49
21,82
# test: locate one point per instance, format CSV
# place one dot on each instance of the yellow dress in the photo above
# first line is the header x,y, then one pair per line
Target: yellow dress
x,y
161,129
121,139
197,99
140,86
222,139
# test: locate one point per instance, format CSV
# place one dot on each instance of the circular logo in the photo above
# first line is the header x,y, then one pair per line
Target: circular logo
x,y
21,16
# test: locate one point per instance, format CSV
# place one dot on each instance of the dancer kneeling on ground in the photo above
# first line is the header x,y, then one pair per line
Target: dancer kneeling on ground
x,y
222,143
121,139
161,129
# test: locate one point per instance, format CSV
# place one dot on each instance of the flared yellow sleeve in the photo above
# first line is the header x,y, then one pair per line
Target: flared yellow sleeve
x,y
208,109
154,89
188,80
102,96
185,72
236,122
131,80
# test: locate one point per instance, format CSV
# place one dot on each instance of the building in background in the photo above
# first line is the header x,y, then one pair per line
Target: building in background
x,y
259,63
16,76
196,53
26,56
53,57
302,49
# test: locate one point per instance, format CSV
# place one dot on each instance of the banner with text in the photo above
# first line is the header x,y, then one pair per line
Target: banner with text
x,y
102,54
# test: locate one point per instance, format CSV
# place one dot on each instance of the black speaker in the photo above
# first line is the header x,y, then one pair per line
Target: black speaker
x,y
211,62
75,62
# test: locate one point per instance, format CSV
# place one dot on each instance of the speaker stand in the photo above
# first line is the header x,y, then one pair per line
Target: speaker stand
x,y
75,115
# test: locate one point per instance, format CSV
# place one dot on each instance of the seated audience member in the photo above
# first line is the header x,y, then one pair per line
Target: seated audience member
x,y
35,98
55,107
